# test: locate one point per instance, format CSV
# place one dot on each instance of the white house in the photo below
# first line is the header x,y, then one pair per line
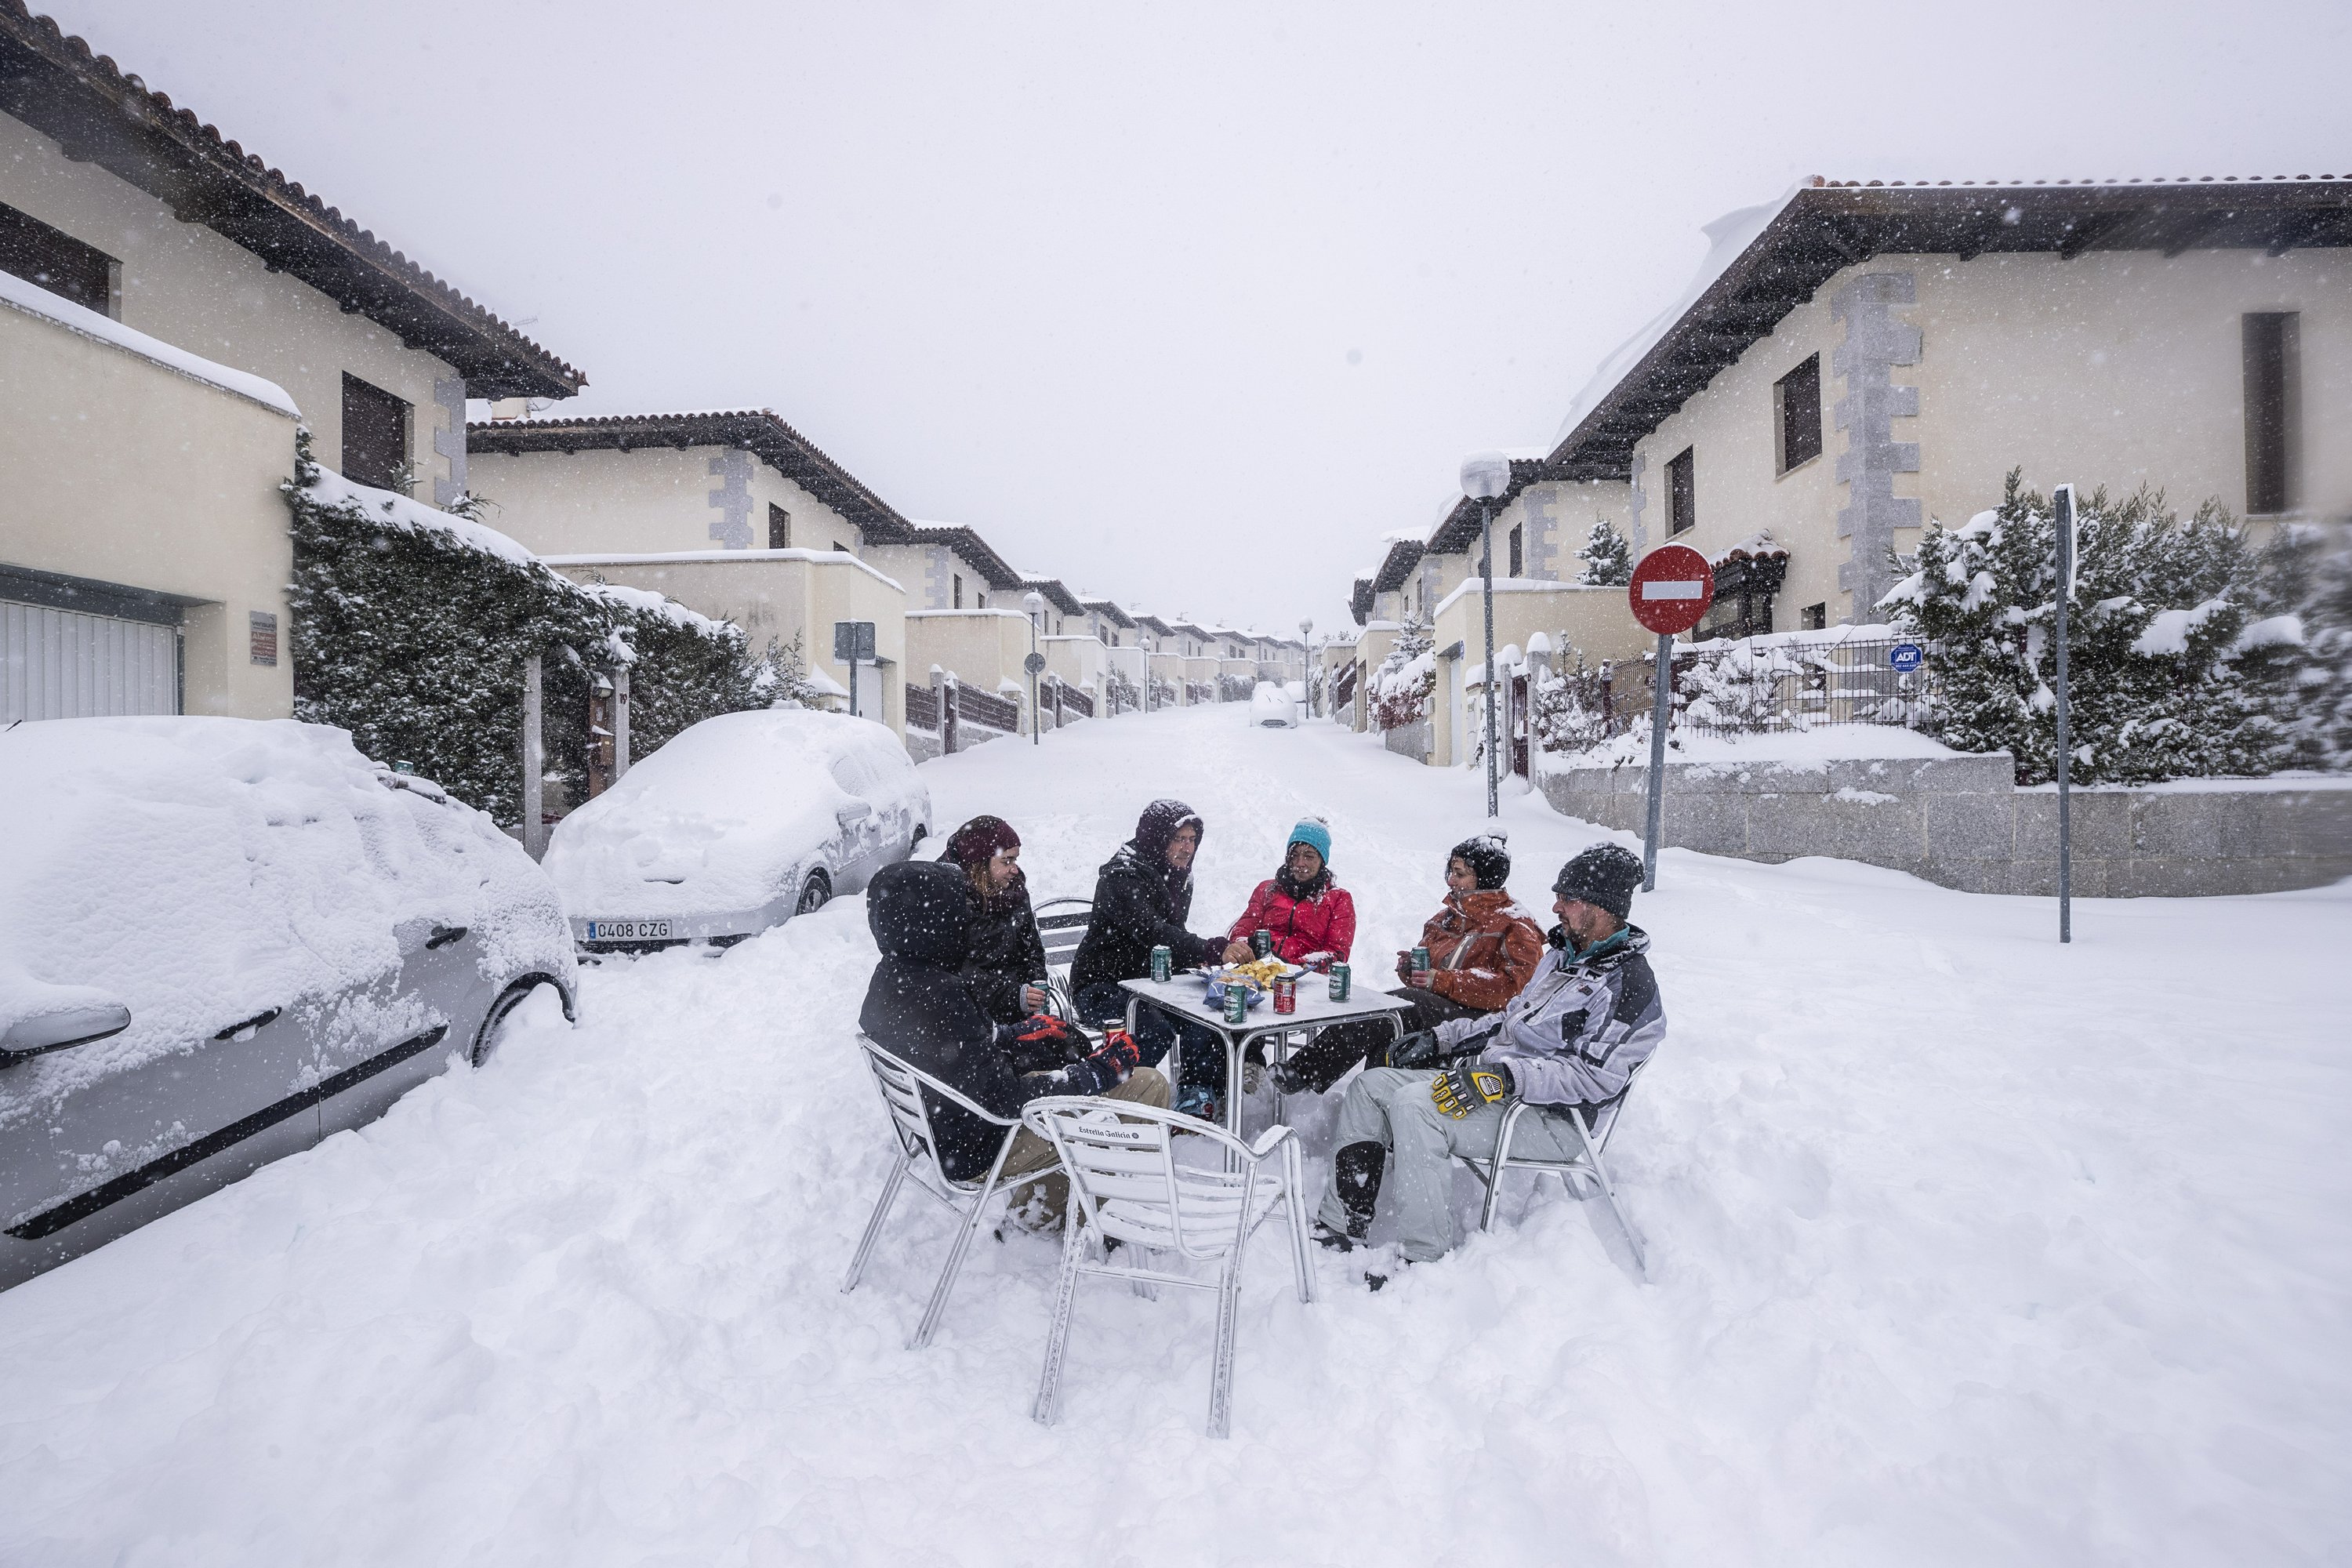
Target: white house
x,y
178,297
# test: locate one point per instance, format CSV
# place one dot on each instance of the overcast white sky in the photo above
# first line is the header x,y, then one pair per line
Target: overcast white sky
x,y
1183,304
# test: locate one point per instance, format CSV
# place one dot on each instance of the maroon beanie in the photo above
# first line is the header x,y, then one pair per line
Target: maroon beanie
x,y
977,841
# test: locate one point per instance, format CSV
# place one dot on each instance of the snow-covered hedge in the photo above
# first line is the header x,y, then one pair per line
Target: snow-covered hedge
x,y
410,627
2169,674
1402,686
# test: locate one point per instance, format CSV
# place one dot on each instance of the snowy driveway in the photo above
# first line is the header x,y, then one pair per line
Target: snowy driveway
x,y
1966,1250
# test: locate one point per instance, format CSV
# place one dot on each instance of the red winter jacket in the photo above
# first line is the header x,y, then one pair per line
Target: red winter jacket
x,y
1324,924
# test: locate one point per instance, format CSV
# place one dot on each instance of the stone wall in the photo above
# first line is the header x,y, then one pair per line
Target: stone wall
x,y
1962,822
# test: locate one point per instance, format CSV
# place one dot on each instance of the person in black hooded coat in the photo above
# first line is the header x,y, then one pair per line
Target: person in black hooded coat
x,y
1142,897
919,1008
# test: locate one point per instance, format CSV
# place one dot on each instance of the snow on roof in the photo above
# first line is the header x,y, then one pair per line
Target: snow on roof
x,y
1758,544
1726,237
646,599
35,300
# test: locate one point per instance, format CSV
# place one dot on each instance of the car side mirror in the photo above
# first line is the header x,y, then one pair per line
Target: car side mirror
x,y
852,811
65,1026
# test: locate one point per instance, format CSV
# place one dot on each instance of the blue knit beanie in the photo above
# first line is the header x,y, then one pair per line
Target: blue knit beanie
x,y
1315,835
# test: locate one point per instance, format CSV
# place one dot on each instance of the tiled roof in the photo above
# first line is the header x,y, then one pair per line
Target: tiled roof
x,y
1825,226
756,431
98,114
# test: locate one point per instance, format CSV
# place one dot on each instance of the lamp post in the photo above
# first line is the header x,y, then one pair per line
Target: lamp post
x,y
1306,662
1486,476
1034,664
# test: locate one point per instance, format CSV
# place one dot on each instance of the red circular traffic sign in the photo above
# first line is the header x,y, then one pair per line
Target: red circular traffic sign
x,y
1671,589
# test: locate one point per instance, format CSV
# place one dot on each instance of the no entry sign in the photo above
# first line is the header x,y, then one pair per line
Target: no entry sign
x,y
1672,588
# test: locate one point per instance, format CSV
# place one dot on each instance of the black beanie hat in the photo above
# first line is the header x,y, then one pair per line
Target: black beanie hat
x,y
1604,876
1487,860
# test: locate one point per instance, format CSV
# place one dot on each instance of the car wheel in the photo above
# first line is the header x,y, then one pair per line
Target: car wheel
x,y
813,894
494,1023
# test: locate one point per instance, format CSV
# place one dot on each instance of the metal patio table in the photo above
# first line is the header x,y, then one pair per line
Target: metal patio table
x,y
1182,998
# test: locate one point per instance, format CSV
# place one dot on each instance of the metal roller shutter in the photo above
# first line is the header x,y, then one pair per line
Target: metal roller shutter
x,y
64,664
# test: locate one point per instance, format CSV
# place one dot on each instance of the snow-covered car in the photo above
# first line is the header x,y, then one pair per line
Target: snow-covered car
x,y
738,823
222,940
1273,707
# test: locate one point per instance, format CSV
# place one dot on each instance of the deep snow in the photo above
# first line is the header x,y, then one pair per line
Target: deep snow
x,y
1967,1249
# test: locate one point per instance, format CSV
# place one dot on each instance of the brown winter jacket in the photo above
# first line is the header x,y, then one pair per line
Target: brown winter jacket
x,y
1483,949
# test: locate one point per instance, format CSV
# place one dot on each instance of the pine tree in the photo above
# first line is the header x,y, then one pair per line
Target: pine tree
x,y
1607,559
2161,687
2306,631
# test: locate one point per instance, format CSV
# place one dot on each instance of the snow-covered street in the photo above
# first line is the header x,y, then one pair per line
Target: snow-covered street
x,y
1965,1248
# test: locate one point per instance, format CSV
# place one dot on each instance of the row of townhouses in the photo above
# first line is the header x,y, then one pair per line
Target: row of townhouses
x,y
172,308
1859,358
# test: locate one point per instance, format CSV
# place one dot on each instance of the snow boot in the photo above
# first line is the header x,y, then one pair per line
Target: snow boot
x,y
1356,1178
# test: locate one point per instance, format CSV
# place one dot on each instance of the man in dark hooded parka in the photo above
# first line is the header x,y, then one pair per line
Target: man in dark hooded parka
x,y
919,1008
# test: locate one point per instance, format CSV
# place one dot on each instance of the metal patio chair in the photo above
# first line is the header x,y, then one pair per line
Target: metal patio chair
x,y
1583,1173
903,1087
1061,927
1127,1188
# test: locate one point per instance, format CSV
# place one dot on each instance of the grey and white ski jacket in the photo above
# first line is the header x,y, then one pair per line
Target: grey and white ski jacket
x,y
1579,1030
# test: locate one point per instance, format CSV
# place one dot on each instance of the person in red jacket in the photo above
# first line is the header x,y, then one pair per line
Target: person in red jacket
x,y
1306,910
1484,947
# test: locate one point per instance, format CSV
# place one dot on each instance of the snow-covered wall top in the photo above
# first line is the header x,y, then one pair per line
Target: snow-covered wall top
x,y
35,300
654,558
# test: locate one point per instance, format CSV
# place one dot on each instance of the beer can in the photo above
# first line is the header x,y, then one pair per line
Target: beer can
x,y
1262,943
1419,959
1161,961
1339,980
1236,1002
1286,994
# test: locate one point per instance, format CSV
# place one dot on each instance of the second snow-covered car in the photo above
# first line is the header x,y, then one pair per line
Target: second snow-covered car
x,y
737,824
1273,707
222,940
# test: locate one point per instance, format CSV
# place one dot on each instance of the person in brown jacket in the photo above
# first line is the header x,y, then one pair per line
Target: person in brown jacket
x,y
1483,949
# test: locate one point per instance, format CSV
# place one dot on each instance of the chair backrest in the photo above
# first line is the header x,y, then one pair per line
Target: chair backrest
x,y
903,1085
1121,1161
1602,1119
1062,926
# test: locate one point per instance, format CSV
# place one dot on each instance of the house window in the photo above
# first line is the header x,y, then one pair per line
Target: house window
x,y
843,548
2273,410
59,262
1797,414
980,599
780,528
1517,558
957,578
1816,617
375,435
1682,492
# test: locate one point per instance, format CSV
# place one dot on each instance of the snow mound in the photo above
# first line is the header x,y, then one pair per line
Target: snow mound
x,y
202,871
1823,743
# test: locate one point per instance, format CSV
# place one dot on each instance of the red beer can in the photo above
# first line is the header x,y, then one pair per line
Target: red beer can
x,y
1286,994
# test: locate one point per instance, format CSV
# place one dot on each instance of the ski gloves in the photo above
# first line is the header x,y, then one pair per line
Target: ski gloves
x,y
1120,1052
1470,1085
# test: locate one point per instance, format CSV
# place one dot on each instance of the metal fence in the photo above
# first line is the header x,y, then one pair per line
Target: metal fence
x,y
1760,686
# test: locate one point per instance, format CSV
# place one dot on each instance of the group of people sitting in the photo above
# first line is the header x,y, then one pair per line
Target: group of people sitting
x,y
1502,1009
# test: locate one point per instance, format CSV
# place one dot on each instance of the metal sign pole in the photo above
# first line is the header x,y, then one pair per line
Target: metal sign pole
x,y
1487,571
2062,501
1661,713
619,722
534,762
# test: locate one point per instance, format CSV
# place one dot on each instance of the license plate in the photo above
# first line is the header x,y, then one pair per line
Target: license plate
x,y
628,931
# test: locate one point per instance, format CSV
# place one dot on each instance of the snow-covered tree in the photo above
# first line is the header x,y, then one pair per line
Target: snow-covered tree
x,y
1607,559
2308,625
1567,712
1402,686
1736,688
2162,685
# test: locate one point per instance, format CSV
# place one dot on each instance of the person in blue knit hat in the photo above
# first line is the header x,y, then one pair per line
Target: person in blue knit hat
x,y
1308,912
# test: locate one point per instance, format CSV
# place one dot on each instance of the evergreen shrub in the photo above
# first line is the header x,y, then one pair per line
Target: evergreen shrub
x,y
410,627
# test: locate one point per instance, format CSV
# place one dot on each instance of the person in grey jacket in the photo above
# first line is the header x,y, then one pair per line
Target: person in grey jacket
x,y
1574,1038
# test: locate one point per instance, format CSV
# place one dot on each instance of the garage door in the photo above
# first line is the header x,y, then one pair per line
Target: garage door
x,y
64,664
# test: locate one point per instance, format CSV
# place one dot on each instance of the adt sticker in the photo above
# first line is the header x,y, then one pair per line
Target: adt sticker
x,y
1906,656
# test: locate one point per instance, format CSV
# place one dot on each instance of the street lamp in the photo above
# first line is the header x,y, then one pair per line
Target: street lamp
x,y
1034,602
1306,663
1485,476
